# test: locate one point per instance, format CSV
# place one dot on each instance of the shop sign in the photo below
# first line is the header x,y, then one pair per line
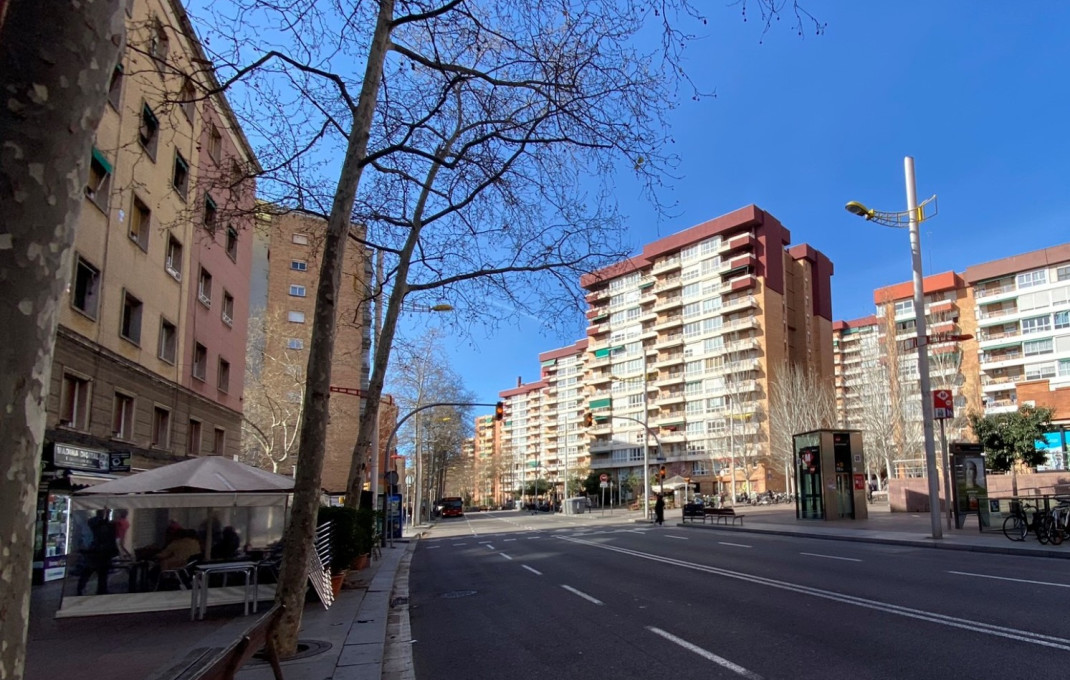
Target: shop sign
x,y
120,461
64,456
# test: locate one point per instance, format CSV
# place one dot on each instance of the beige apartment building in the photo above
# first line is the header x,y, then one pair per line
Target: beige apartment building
x,y
285,275
689,337
486,456
522,437
150,350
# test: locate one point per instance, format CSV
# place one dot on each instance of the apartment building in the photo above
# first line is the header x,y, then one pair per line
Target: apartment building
x,y
856,356
285,275
687,339
487,463
150,350
522,435
564,437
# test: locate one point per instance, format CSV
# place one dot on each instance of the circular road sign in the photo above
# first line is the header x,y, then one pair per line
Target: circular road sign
x,y
603,477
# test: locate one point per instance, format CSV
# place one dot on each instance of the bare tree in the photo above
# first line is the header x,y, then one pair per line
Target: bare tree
x,y
481,131
274,394
799,402
56,60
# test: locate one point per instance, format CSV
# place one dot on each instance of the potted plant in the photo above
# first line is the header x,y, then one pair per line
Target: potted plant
x,y
344,541
364,535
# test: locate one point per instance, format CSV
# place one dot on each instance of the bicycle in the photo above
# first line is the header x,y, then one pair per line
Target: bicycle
x,y
1018,525
1056,524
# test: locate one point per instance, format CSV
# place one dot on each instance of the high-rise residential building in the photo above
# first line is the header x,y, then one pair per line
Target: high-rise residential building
x,y
150,351
564,440
688,339
856,354
286,273
487,463
522,436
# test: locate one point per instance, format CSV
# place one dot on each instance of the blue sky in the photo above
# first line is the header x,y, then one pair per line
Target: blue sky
x,y
976,91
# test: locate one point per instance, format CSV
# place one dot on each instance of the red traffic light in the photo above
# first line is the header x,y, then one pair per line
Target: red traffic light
x,y
499,410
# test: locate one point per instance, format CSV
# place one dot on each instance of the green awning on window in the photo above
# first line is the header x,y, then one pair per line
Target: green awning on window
x,y
99,158
601,403
547,364
646,284
601,353
674,424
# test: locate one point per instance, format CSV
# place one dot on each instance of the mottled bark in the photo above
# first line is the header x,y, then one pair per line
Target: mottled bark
x,y
56,60
297,542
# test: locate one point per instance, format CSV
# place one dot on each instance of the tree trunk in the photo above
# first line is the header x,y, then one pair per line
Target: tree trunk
x,y
56,60
297,541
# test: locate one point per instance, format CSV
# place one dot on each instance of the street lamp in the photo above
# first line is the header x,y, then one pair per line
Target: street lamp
x,y
911,218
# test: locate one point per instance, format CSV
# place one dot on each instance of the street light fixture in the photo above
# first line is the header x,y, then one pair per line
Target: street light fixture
x,y
911,218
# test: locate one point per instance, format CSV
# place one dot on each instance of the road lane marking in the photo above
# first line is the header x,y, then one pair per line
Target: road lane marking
x,y
508,539
719,660
505,556
532,570
734,545
532,538
433,547
831,557
581,594
484,542
1016,580
679,538
457,544
490,546
866,603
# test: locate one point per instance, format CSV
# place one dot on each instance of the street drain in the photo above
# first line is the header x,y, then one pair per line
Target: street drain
x,y
453,594
305,649
398,601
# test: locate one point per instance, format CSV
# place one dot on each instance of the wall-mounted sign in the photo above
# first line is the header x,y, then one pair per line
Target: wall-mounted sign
x,y
73,458
119,461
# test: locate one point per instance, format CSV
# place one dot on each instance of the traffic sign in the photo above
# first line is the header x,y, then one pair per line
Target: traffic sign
x,y
943,404
604,485
603,477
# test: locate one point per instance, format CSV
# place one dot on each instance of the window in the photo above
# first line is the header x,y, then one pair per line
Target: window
x,y
1036,324
180,177
296,317
160,46
115,87
122,420
220,440
161,427
96,188
1062,320
148,132
228,308
296,290
1062,273
74,402
86,293
298,265
1064,367
130,328
215,143
187,100
232,244
193,437
140,219
1040,371
300,239
210,213
204,288
223,377
200,361
1035,347
168,340
1030,279
173,263
295,343
904,307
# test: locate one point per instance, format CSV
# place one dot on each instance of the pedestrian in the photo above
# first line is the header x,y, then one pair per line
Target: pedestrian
x,y
659,510
100,552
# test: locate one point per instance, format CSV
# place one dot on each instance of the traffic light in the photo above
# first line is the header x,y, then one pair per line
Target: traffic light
x,y
661,472
588,419
499,410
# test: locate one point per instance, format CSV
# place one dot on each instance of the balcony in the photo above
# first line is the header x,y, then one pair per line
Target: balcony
x,y
668,283
668,302
738,283
986,340
669,360
597,295
672,378
997,383
597,329
737,303
734,243
666,265
993,291
668,322
997,360
674,397
1001,406
671,340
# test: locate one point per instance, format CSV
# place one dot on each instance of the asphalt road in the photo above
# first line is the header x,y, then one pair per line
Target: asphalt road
x,y
509,595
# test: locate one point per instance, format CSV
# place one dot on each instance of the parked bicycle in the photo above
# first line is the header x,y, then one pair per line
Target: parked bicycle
x,y
1056,524
1023,519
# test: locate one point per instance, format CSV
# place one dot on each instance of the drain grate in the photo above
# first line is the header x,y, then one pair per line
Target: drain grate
x,y
453,594
398,601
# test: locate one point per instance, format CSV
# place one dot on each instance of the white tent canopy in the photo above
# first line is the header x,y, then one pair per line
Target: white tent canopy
x,y
670,484
205,474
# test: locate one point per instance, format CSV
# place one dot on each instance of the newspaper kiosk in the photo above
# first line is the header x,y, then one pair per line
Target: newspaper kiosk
x,y
829,471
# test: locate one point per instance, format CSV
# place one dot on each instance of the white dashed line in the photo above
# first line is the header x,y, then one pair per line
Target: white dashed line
x,y
1016,580
582,594
832,557
734,545
505,556
509,539
532,570
679,538
719,660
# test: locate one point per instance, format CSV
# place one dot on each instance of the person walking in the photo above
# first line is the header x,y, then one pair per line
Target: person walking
x,y
659,510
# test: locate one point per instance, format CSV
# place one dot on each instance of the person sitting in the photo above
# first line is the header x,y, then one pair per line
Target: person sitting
x,y
178,553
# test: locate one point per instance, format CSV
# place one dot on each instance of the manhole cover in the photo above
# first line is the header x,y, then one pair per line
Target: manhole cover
x,y
305,649
457,593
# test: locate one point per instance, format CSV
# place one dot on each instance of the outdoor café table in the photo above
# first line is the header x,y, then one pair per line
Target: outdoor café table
x,y
201,573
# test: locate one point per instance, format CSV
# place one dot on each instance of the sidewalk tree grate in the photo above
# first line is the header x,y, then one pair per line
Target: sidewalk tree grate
x,y
453,594
305,650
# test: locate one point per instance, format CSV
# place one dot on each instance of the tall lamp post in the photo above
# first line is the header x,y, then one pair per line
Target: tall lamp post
x,y
911,218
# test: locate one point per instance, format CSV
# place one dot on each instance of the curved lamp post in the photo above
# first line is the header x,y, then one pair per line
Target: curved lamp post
x,y
910,218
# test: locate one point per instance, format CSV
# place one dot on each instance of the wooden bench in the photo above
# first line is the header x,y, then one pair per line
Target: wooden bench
x,y
693,511
725,515
222,662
